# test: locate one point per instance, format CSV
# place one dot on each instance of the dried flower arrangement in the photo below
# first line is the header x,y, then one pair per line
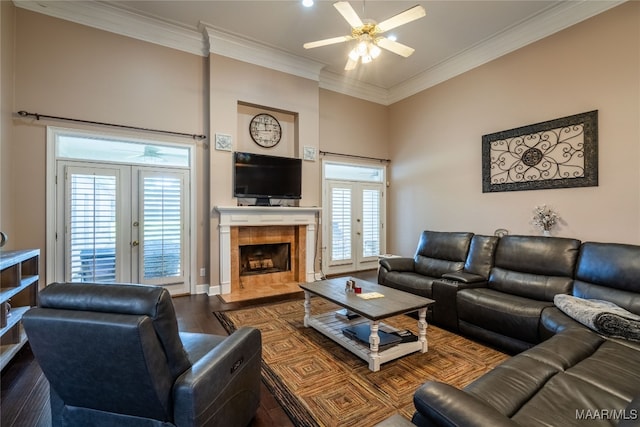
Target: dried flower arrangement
x,y
544,217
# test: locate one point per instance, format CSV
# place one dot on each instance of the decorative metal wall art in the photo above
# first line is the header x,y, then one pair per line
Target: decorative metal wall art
x,y
559,153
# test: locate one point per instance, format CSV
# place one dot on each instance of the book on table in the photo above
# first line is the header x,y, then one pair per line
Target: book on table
x,y
345,314
362,331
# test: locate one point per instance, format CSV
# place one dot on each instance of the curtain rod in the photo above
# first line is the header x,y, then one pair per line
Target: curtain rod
x,y
167,132
354,156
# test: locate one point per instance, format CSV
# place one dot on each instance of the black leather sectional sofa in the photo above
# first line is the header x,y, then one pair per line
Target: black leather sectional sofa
x,y
501,291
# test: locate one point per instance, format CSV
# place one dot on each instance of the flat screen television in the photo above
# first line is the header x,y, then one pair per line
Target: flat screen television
x,y
266,177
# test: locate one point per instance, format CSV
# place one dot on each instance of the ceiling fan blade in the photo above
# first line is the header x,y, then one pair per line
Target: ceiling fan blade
x,y
348,13
402,18
351,64
395,47
326,42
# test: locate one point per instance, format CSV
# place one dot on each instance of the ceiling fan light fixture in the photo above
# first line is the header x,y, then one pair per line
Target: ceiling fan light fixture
x,y
365,51
374,51
363,47
366,32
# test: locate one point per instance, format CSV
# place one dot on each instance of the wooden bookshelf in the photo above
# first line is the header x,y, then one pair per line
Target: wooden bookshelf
x,y
19,276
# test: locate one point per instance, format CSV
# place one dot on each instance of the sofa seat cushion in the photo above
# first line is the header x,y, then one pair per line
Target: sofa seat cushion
x,y
569,374
414,283
603,317
567,401
502,313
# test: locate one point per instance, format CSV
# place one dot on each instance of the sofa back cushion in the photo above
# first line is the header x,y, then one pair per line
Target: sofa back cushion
x,y
534,267
481,255
609,271
441,252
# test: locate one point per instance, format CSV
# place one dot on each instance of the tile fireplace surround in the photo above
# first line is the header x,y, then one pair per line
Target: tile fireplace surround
x,y
264,222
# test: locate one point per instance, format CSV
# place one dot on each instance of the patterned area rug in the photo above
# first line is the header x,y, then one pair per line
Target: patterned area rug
x,y
319,383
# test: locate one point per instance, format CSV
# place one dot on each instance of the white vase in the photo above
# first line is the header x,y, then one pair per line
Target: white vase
x,y
546,233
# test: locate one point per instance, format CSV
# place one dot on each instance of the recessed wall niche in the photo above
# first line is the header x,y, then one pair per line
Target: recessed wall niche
x,y
288,145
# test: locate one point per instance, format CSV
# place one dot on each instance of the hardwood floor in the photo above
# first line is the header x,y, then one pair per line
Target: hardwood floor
x,y
25,391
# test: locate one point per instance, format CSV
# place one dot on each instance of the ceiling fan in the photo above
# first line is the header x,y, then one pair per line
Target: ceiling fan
x,y
368,32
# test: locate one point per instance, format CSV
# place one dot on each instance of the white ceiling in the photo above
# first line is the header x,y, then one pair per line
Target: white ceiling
x,y
453,37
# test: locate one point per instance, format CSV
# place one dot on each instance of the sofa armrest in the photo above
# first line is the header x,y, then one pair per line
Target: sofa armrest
x,y
440,404
464,277
553,321
222,384
397,264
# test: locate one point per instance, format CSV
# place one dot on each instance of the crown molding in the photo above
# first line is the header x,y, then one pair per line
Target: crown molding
x,y
341,84
120,21
546,23
208,39
243,49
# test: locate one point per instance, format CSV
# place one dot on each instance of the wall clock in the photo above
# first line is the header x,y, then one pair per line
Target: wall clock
x,y
265,130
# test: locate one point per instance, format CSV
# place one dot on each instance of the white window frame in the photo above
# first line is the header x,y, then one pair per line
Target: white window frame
x,y
51,197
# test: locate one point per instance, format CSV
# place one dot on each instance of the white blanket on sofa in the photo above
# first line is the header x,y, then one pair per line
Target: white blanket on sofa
x,y
602,316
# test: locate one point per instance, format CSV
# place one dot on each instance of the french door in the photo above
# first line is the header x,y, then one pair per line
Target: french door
x,y
119,209
354,229
122,223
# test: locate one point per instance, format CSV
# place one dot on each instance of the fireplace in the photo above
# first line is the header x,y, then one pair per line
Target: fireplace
x,y
254,225
262,256
265,258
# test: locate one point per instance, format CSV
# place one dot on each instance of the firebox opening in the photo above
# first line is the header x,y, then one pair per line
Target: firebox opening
x,y
265,258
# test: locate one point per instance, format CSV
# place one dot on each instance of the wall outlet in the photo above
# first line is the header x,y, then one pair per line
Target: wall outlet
x,y
203,272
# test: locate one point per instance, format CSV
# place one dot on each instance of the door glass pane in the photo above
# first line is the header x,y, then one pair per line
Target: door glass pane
x,y
370,222
162,227
92,228
84,147
340,224
344,172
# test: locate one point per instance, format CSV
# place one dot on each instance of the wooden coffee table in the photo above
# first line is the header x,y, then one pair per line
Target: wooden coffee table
x,y
374,310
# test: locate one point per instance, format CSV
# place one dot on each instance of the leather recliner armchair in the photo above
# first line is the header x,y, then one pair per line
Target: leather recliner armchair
x,y
113,356
438,252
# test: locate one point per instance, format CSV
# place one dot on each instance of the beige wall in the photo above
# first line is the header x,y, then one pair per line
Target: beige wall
x,y
7,15
233,82
350,125
436,137
94,75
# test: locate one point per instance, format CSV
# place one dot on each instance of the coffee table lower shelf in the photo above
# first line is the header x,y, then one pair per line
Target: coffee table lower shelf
x,y
331,326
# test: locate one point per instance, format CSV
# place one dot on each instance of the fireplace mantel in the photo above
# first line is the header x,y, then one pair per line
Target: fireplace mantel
x,y
266,215
263,216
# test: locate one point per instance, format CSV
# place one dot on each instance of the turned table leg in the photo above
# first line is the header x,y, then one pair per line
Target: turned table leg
x,y
374,342
422,330
307,308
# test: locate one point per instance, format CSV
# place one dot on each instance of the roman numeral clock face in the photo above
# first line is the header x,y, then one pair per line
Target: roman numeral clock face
x,y
265,130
